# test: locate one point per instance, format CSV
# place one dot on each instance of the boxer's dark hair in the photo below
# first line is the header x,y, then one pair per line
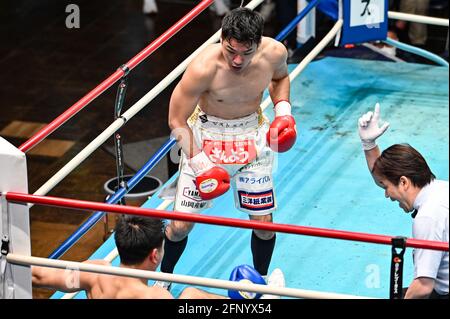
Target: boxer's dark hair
x,y
243,25
136,237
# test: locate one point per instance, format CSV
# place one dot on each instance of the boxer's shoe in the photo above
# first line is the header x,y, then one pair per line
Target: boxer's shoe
x,y
275,279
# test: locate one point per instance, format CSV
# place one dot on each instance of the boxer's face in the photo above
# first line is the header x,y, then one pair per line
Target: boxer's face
x,y
238,55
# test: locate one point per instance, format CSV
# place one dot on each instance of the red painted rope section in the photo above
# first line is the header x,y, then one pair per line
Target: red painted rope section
x,y
102,87
234,222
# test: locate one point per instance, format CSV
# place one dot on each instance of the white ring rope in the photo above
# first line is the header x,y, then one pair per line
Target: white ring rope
x,y
183,279
417,18
311,55
117,124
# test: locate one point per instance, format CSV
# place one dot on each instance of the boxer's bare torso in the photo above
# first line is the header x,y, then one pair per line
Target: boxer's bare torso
x,y
227,80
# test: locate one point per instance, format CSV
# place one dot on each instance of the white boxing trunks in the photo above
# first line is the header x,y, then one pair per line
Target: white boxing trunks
x,y
238,146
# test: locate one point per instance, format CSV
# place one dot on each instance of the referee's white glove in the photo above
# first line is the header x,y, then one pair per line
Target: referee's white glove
x,y
369,130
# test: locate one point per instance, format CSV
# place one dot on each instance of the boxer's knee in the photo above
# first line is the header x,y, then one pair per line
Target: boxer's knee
x,y
177,230
264,234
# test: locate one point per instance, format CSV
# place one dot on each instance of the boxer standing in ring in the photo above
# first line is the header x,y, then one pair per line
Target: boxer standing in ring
x,y
216,118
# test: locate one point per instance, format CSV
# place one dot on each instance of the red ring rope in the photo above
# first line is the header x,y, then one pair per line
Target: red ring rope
x,y
102,87
234,222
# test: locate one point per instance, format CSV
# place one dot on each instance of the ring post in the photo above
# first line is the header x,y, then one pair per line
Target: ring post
x,y
15,281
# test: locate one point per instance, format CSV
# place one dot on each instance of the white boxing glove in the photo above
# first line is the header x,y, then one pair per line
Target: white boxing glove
x,y
369,130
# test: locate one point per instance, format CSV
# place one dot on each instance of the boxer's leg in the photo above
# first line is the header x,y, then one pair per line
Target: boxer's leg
x,y
262,245
254,195
187,200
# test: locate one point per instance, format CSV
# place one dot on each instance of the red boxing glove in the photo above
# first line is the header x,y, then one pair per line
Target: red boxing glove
x,y
212,181
283,133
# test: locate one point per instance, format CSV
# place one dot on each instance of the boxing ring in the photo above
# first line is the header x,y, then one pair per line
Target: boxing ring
x,y
322,185
316,188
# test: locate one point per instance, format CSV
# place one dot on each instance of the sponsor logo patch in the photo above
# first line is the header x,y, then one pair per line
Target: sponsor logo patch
x,y
208,185
253,180
195,205
397,260
230,152
203,118
247,294
256,201
192,194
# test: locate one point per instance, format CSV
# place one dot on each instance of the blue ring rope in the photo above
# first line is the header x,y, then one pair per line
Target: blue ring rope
x,y
114,199
291,26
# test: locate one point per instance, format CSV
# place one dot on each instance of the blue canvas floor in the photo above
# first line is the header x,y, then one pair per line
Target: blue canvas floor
x,y
323,181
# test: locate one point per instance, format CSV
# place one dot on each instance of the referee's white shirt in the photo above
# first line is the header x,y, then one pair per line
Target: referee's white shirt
x,y
431,223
